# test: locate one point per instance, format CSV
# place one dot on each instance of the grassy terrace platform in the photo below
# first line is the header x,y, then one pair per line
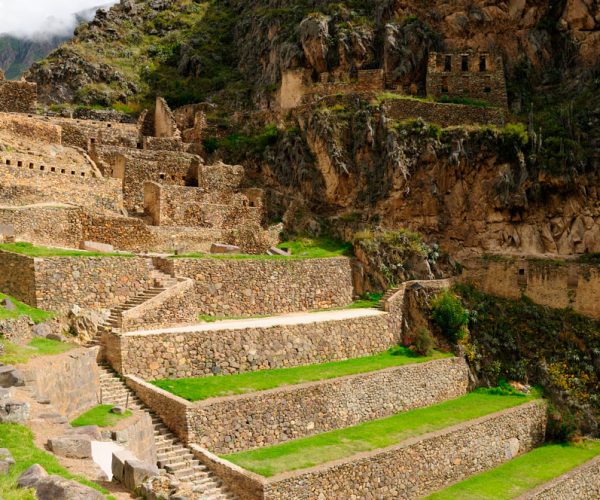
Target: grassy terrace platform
x,y
522,474
304,248
100,416
37,315
197,389
19,440
17,354
343,443
40,251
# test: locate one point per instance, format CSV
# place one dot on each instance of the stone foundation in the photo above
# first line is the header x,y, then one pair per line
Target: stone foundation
x,y
446,115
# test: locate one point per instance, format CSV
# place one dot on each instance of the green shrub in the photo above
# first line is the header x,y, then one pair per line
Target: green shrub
x,y
515,133
423,342
448,313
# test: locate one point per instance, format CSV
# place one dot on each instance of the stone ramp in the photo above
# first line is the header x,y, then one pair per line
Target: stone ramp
x,y
173,456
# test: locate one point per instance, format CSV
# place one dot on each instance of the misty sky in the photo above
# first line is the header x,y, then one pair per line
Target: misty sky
x,y
39,18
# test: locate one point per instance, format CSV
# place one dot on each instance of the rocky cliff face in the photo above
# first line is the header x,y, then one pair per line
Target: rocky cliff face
x,y
17,55
346,161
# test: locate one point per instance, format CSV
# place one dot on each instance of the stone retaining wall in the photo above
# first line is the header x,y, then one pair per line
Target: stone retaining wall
x,y
17,97
442,114
227,287
17,277
31,128
153,356
176,305
265,418
21,186
412,469
581,483
45,225
188,206
553,283
70,381
89,282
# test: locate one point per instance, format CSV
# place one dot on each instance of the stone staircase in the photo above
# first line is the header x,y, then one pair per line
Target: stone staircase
x,y
173,456
388,295
161,282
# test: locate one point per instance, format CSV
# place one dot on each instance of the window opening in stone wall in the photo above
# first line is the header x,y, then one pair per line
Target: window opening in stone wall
x,y
42,167
19,164
482,63
31,165
162,177
8,162
448,63
445,85
488,85
52,169
465,63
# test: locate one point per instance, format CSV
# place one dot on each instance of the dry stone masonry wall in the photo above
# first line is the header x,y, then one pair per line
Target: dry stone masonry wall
x,y
20,185
557,284
237,423
420,466
17,97
582,483
17,277
226,287
154,356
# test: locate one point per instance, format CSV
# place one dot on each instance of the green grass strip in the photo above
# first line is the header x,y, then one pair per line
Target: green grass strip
x,y
522,474
37,315
302,248
30,250
196,389
100,416
19,440
342,443
17,354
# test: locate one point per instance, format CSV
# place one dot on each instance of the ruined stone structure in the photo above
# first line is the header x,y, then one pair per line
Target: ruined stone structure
x,y
474,75
17,97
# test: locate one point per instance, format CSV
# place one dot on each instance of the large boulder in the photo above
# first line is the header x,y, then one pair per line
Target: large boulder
x,y
72,446
136,472
6,461
130,471
31,476
314,36
14,412
11,377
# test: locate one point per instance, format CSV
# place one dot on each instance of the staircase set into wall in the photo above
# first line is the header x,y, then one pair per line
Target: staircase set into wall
x,y
160,282
173,456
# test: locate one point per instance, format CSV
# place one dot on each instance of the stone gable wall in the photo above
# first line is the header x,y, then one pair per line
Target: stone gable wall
x,y
18,97
266,418
87,134
195,354
558,284
582,483
445,115
178,206
89,282
140,166
227,287
19,185
17,277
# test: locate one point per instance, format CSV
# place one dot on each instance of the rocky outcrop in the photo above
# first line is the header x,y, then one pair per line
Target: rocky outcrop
x,y
55,487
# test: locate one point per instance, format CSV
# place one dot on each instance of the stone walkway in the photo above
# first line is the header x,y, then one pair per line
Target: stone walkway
x,y
267,322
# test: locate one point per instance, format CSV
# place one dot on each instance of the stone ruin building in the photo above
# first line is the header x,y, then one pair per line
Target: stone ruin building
x,y
473,75
17,96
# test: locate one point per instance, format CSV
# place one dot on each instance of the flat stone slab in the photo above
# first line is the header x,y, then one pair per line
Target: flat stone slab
x,y
94,246
220,249
283,320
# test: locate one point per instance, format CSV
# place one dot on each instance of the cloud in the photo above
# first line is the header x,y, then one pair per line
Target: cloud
x,y
43,18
